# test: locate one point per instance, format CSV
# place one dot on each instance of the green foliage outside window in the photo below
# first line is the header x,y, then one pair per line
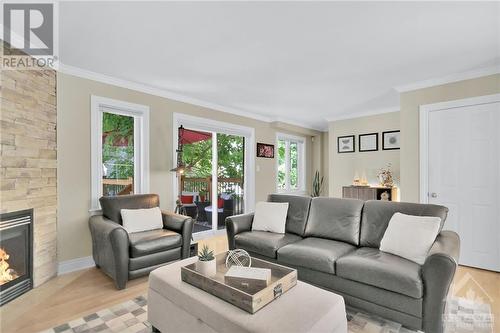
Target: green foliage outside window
x,y
118,145
294,165
281,164
293,172
230,154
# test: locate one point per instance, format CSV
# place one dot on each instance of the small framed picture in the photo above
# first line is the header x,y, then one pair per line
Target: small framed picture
x,y
391,140
368,142
265,150
346,144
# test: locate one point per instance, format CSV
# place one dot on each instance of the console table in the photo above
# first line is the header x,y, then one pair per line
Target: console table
x,y
369,192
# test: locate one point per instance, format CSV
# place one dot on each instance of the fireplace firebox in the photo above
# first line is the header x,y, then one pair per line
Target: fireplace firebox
x,y
16,254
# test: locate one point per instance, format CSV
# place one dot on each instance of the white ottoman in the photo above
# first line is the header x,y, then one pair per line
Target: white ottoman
x,y
176,306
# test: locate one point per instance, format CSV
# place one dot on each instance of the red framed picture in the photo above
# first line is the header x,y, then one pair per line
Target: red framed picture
x,y
265,150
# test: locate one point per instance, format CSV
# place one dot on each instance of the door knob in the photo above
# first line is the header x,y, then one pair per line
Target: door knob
x,y
434,195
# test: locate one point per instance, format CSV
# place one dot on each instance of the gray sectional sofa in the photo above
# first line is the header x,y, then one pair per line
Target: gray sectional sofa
x,y
334,244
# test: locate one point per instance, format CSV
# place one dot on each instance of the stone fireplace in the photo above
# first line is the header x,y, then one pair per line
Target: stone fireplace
x,y
16,254
28,161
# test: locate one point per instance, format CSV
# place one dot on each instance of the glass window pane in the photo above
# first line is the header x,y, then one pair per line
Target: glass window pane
x,y
281,164
197,157
196,181
230,170
294,165
117,154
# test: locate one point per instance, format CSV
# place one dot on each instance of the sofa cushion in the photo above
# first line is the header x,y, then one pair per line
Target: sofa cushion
x,y
314,253
383,270
154,259
263,242
112,206
336,219
153,241
298,211
377,214
363,292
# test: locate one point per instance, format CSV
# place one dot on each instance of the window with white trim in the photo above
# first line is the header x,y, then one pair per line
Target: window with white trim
x,y
120,159
290,163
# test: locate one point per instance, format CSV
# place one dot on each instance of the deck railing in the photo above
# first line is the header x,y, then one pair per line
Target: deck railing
x,y
111,187
204,185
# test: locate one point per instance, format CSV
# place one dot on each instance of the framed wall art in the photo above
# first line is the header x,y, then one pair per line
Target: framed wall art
x,y
368,142
265,150
391,140
346,144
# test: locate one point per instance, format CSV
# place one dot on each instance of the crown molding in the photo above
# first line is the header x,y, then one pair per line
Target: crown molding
x,y
364,114
296,128
449,79
140,87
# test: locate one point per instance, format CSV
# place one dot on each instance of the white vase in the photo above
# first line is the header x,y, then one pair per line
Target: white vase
x,y
207,268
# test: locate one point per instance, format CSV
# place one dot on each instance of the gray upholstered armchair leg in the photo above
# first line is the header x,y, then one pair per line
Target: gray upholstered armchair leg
x,y
181,224
110,249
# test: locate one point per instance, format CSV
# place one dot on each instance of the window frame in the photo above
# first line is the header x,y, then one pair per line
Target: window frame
x,y
140,113
301,163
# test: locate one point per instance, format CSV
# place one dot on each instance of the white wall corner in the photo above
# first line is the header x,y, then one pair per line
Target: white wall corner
x,y
73,265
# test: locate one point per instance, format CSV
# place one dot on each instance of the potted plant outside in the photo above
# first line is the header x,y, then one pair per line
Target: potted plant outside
x,y
206,262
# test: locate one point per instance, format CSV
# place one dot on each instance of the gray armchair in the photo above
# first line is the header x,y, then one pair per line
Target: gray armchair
x,y
124,256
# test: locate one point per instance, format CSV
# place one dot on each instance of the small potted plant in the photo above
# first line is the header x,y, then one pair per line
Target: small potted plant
x,y
206,262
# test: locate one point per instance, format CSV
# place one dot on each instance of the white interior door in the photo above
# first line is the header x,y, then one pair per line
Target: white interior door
x,y
464,175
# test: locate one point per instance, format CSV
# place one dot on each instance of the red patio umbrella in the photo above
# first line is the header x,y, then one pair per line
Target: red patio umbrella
x,y
187,136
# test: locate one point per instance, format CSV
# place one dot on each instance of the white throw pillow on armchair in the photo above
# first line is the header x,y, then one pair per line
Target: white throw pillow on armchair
x,y
137,220
270,216
410,237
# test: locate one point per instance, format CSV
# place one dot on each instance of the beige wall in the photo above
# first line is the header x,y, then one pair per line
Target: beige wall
x,y
325,153
344,167
410,103
73,125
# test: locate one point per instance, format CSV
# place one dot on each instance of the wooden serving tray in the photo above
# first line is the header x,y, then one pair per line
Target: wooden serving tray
x,y
249,299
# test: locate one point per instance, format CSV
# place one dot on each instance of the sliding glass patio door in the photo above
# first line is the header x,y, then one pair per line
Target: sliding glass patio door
x,y
212,183
230,176
196,180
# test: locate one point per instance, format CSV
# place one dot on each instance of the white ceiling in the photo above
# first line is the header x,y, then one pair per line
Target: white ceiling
x,y
299,62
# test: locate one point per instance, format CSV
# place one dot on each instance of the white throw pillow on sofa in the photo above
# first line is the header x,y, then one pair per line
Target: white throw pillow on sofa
x,y
136,220
410,237
270,216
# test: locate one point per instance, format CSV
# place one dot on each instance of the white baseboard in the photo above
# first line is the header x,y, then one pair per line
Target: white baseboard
x,y
77,264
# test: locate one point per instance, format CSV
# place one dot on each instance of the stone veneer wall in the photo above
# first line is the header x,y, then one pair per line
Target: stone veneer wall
x,y
29,158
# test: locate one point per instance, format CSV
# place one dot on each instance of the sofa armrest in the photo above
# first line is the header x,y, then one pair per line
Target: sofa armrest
x,y
110,248
437,273
237,224
181,224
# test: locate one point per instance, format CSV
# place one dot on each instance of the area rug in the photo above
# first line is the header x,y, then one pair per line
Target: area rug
x,y
462,316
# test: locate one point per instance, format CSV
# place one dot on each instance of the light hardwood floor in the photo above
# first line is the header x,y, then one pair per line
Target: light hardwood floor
x,y
77,294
